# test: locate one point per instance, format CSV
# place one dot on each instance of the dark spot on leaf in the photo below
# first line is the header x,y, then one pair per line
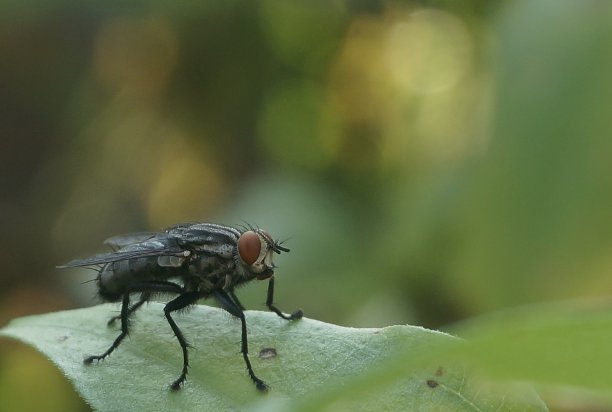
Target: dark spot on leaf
x,y
267,353
62,338
440,371
432,383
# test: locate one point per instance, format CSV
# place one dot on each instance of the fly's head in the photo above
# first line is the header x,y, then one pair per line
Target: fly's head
x,y
256,249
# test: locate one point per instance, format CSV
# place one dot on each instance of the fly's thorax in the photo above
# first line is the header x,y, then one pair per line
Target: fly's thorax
x,y
215,272
207,265
209,275
222,250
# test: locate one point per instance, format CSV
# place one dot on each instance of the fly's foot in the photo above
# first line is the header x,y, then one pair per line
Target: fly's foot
x,y
297,314
89,360
176,385
260,385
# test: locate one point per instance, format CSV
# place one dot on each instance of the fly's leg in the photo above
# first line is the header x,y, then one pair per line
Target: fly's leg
x,y
229,305
125,313
181,302
144,297
235,299
297,314
147,288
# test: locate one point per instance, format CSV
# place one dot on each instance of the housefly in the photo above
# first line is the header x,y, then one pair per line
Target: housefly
x,y
190,261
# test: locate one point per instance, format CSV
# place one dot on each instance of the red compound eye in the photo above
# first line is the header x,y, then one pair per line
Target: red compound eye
x,y
249,247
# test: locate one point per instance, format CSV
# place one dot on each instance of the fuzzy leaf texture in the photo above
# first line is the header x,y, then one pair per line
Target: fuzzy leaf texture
x,y
314,367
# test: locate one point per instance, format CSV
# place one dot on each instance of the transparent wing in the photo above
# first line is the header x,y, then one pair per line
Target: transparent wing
x,y
126,254
121,241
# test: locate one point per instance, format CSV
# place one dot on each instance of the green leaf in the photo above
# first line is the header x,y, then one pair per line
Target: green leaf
x,y
562,348
312,359
568,344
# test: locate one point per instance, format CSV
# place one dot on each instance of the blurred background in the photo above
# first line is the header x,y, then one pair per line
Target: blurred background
x,y
427,161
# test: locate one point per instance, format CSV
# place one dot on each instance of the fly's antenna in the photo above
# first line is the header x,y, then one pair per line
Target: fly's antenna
x,y
278,248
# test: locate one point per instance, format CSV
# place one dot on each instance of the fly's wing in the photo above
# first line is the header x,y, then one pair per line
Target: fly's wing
x,y
121,241
167,255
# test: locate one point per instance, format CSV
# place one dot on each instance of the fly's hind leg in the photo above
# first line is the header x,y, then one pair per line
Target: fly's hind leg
x,y
144,297
125,313
146,288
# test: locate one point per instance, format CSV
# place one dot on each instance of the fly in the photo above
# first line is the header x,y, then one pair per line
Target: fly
x,y
190,261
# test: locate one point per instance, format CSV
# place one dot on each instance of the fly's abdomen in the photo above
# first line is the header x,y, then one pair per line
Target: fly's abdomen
x,y
115,278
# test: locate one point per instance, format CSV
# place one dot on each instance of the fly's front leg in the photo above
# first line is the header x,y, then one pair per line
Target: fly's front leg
x,y
229,305
297,314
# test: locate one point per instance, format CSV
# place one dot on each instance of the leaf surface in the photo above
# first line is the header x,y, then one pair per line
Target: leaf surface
x,y
308,358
